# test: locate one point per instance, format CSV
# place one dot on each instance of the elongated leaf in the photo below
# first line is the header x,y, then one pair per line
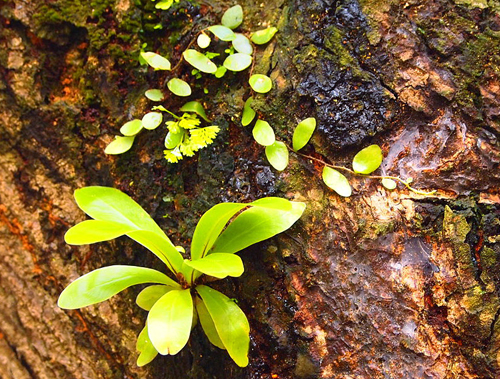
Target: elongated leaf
x,y
119,145
218,265
179,87
208,324
263,133
145,348
303,133
203,41
150,295
233,17
260,83
248,112
195,107
257,224
156,61
101,284
336,181
277,155
222,32
238,62
173,139
274,203
170,320
152,120
263,36
154,95
199,61
230,322
242,44
210,226
131,128
92,231
367,160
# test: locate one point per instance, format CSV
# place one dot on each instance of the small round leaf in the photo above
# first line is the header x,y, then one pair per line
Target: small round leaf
x,y
260,83
152,120
389,184
367,160
119,145
263,36
222,32
199,61
277,155
233,17
179,87
303,133
336,181
263,133
238,62
221,71
156,61
154,95
131,128
242,44
203,41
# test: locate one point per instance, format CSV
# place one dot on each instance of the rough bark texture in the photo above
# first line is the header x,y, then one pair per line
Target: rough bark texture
x,y
380,285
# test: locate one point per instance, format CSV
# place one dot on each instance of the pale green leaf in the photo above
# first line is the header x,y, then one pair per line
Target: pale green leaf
x,y
119,145
248,113
170,320
203,41
199,61
179,87
303,133
277,155
101,284
208,324
173,139
218,265
154,95
263,133
150,295
164,4
263,36
238,62
145,348
195,107
389,184
336,181
222,32
260,83
92,231
242,44
152,120
131,128
233,17
230,322
367,160
156,61
257,224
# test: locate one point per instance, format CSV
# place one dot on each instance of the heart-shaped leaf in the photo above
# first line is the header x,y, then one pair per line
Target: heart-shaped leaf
x,y
233,17
263,133
336,181
179,87
263,36
237,62
367,160
199,61
131,128
119,145
303,133
260,83
277,155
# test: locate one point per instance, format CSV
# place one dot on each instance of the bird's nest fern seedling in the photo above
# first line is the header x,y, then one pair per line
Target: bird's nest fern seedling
x,y
175,305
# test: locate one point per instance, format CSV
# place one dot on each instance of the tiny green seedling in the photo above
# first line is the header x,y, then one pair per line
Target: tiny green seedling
x,y
175,305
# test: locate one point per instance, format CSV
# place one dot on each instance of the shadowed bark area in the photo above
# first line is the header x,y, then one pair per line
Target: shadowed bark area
x,y
382,284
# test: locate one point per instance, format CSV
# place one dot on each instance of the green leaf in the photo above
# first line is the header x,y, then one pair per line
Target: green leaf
x,y
256,224
195,107
221,71
263,133
218,265
367,160
173,139
164,4
277,155
150,295
152,120
263,36
303,133
248,113
336,181
230,322
154,95
207,323
156,61
199,61
169,321
260,83
101,284
238,62
145,348
242,44
222,32
119,145
131,128
203,41
92,231
179,87
233,17
389,184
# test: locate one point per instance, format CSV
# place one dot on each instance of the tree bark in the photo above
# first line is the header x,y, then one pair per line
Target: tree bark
x,y
379,285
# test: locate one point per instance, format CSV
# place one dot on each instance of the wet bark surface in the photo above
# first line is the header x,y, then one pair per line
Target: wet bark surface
x,y
380,285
